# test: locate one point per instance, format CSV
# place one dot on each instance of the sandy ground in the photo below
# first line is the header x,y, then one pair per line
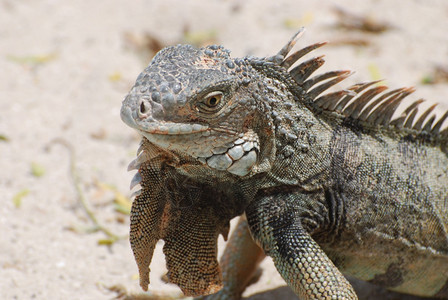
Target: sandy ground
x,y
65,67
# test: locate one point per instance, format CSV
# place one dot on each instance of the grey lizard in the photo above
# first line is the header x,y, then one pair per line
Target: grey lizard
x,y
329,183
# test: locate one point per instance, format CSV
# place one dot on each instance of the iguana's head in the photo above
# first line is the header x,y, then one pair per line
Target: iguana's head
x,y
199,103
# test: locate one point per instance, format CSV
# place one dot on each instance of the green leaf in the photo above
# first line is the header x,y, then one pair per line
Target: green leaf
x,y
106,242
122,203
374,72
115,76
199,38
37,170
294,23
32,60
17,199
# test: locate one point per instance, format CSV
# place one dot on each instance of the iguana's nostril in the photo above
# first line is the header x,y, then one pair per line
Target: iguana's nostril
x,y
144,108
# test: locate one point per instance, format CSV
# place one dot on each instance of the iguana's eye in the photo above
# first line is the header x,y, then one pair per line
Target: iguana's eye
x,y
213,99
211,103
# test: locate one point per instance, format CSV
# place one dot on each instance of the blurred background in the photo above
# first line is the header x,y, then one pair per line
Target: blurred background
x,y
65,67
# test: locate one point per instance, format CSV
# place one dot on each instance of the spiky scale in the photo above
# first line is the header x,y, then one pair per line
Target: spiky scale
x,y
439,123
291,43
330,98
305,69
336,76
400,121
293,58
383,112
137,179
392,105
410,119
427,127
370,112
355,108
419,124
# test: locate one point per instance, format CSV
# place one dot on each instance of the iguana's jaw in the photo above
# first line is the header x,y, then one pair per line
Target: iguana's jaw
x,y
235,153
162,128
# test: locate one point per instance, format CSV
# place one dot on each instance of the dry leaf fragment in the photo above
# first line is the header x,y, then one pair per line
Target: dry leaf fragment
x,y
438,75
351,21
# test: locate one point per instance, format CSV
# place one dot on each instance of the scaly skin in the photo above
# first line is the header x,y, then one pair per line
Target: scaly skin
x,y
239,260
329,184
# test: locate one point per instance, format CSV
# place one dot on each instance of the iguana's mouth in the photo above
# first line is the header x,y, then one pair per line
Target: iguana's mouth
x,y
157,127
171,128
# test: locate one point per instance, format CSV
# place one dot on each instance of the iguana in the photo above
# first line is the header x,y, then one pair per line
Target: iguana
x,y
328,183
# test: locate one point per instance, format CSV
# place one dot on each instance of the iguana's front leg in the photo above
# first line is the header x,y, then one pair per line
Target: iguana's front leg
x,y
275,224
239,263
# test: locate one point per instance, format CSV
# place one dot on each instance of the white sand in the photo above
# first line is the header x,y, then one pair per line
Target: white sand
x,y
70,95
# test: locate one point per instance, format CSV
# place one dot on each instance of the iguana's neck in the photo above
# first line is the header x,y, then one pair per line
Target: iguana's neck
x,y
302,148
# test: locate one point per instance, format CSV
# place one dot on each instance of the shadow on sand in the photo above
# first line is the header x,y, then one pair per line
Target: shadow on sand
x,y
364,290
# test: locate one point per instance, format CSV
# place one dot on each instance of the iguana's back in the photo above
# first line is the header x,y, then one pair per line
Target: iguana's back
x,y
381,194
394,193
